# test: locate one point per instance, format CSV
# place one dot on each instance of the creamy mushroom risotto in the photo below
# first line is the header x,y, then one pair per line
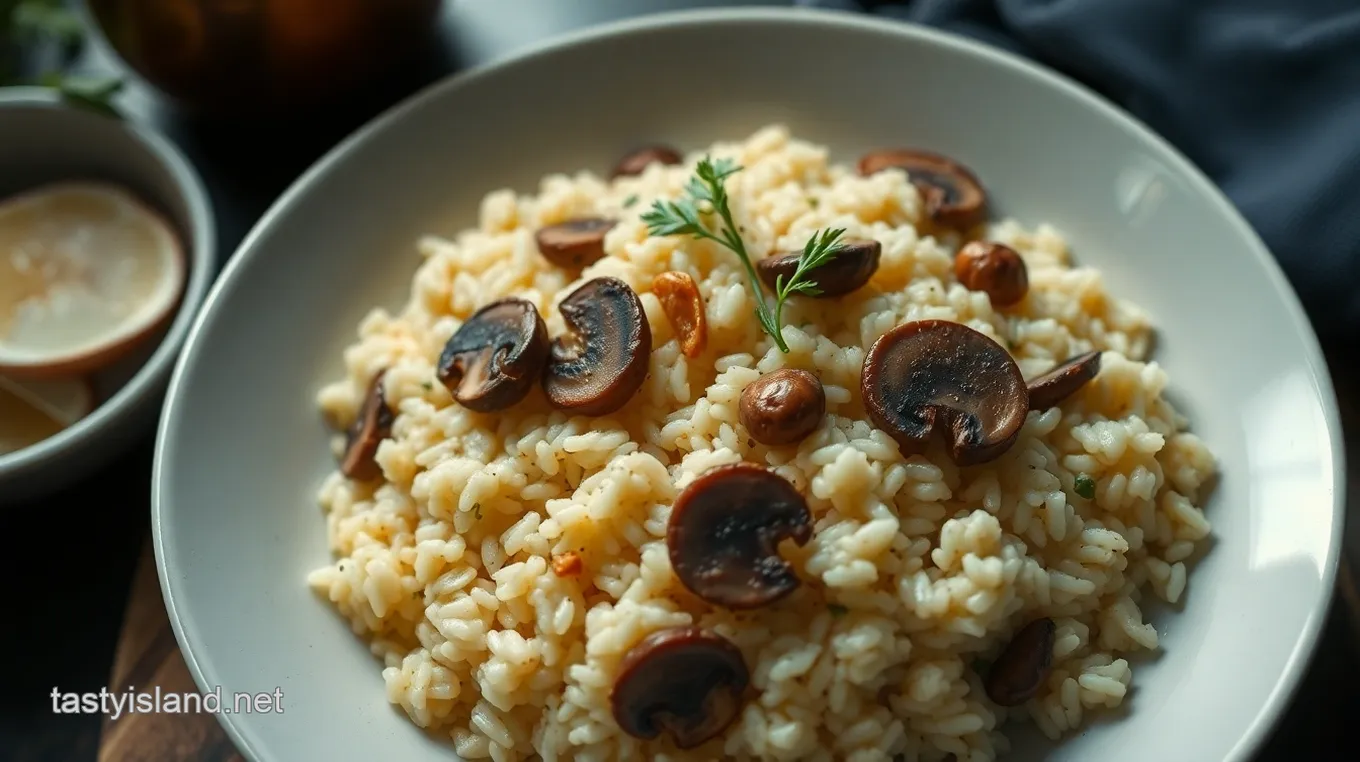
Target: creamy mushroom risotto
x,y
742,454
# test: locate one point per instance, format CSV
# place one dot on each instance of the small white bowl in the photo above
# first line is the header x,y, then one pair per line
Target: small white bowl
x,y
44,141
242,447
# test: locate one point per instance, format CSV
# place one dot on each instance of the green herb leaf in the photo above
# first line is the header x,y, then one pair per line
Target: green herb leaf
x,y
821,248
1085,486
630,201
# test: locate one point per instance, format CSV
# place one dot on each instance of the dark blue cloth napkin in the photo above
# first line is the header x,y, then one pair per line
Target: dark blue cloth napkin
x,y
1263,95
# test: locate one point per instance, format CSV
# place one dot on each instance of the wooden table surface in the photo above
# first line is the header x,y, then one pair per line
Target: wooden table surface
x,y
148,658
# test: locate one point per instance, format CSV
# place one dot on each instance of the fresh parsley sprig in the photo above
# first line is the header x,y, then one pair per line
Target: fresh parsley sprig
x,y
706,195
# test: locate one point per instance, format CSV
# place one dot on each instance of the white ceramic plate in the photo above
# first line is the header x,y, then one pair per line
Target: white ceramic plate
x,y
242,449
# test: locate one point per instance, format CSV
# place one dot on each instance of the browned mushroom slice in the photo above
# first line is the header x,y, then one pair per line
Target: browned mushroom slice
x,y
575,243
636,161
952,194
684,308
493,360
931,375
601,362
1062,382
724,533
1021,670
851,268
373,425
684,681
783,406
994,268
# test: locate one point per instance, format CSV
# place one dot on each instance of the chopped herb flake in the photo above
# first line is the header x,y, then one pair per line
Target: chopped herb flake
x,y
836,609
1085,486
477,511
630,201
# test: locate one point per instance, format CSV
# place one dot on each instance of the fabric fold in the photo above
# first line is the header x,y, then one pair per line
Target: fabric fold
x,y
1262,95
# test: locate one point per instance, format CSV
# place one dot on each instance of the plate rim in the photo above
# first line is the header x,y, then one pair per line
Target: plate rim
x,y
1307,640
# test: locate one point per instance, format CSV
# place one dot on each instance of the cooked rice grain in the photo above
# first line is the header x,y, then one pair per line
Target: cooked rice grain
x,y
444,566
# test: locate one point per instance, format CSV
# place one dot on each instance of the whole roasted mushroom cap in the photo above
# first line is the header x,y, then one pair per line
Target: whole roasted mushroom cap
x,y
995,269
782,406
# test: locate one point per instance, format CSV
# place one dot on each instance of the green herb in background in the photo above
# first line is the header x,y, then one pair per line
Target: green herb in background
x,y
93,93
34,21
26,25
705,194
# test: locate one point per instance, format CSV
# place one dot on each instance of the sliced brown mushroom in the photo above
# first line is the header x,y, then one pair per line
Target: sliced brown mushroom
x,y
724,533
952,194
638,160
847,271
783,406
602,360
994,268
1023,667
373,425
936,375
575,243
1062,382
684,307
684,681
492,361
